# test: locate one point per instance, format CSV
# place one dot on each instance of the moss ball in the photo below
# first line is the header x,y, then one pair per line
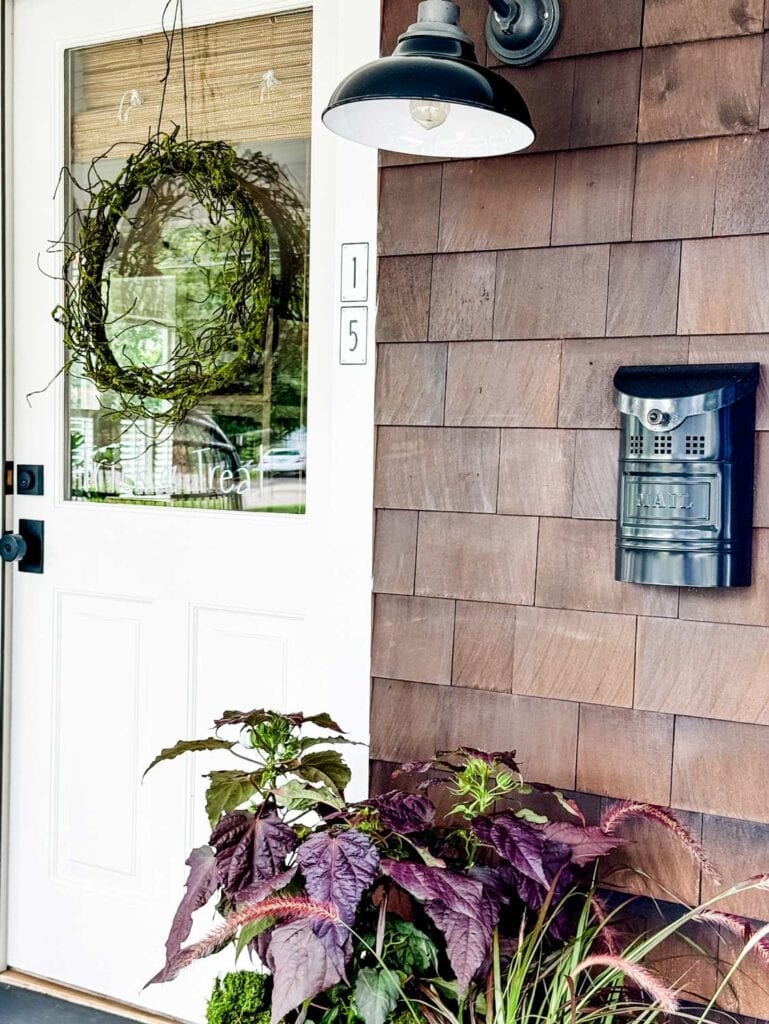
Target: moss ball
x,y
239,998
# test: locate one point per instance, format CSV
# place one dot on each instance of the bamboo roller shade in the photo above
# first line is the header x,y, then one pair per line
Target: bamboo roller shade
x,y
229,68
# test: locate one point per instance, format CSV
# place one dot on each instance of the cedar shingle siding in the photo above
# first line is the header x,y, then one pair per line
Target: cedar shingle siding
x,y
636,232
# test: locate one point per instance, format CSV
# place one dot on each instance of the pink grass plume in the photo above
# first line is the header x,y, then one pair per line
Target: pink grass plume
x,y
285,908
739,927
641,977
628,809
608,936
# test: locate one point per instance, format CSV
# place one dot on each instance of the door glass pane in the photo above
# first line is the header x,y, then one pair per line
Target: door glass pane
x,y
247,83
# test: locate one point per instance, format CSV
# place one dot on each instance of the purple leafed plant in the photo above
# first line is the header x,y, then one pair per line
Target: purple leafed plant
x,y
355,908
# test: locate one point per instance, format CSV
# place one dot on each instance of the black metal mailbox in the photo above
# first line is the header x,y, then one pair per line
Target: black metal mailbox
x,y
685,506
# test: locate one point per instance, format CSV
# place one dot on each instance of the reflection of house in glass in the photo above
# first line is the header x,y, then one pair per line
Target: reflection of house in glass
x,y
198,464
120,458
206,464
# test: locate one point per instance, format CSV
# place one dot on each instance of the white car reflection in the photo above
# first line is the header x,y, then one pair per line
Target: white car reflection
x,y
284,460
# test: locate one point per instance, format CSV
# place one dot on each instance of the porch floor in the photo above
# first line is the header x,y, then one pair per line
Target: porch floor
x,y
20,1006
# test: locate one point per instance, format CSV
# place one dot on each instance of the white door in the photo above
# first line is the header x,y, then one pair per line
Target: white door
x,y
149,618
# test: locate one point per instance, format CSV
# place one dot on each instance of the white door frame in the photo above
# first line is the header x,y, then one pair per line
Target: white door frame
x,y
357,398
6,423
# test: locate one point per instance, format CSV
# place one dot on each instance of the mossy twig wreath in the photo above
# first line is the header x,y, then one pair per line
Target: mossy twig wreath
x,y
209,354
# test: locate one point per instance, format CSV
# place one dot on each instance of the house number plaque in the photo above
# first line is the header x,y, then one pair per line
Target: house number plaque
x,y
353,341
353,321
355,261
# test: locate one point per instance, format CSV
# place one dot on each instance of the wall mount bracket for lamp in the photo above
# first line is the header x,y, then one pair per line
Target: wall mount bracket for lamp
x,y
521,32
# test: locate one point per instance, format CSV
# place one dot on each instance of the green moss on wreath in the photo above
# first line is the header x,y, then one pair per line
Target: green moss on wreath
x,y
209,355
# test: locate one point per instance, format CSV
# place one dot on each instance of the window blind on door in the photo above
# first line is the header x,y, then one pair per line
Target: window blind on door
x,y
247,81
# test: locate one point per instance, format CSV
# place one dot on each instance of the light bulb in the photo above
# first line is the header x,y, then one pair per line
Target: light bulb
x,y
429,113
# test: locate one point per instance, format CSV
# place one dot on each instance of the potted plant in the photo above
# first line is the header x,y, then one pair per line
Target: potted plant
x,y
384,908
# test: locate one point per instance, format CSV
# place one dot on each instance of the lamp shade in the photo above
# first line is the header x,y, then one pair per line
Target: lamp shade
x,y
431,98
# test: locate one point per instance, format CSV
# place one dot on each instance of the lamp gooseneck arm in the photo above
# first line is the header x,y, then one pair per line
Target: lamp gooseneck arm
x,y
504,8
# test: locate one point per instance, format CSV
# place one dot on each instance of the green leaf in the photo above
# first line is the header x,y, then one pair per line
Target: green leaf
x,y
429,859
528,815
449,988
410,949
326,767
250,931
188,747
295,796
566,804
376,994
226,792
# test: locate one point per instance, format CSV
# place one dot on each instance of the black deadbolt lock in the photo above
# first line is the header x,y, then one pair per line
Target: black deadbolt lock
x,y
30,480
25,547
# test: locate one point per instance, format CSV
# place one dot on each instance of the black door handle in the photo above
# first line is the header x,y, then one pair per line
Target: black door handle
x,y
25,547
13,547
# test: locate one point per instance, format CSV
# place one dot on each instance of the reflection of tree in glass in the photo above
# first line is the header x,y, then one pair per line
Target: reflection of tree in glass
x,y
141,343
164,222
167,234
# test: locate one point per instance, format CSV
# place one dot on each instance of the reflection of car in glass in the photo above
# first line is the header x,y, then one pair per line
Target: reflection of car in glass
x,y
284,460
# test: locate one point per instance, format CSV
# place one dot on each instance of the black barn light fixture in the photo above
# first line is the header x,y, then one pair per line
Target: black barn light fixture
x,y
433,98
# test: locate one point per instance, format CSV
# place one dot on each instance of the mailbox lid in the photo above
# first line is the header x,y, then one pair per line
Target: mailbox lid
x,y
683,390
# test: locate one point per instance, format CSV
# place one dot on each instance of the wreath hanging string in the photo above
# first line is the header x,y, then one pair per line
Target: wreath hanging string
x,y
245,200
